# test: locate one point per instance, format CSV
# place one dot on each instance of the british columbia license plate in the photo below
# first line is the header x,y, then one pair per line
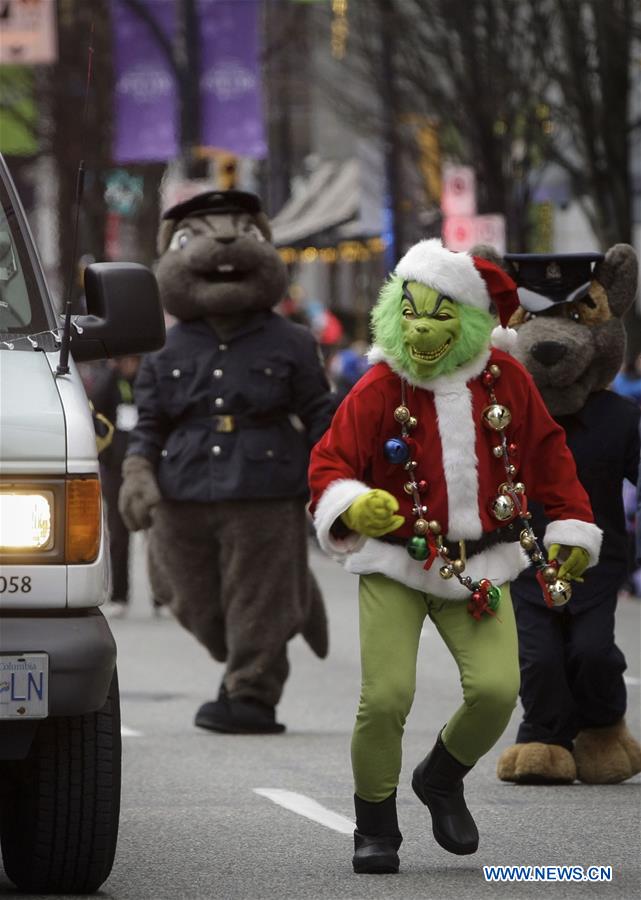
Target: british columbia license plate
x,y
24,686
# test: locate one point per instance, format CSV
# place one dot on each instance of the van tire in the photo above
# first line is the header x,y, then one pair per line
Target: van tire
x,y
59,820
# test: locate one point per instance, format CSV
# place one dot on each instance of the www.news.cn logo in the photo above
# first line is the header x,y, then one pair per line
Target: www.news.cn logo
x,y
547,873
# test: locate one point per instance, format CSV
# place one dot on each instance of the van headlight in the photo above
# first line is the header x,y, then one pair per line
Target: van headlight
x,y
26,520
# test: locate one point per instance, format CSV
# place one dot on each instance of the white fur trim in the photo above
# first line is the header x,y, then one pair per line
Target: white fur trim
x,y
454,274
501,563
575,533
505,339
338,497
452,382
458,441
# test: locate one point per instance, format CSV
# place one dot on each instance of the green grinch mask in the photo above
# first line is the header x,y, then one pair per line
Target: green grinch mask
x,y
426,333
430,324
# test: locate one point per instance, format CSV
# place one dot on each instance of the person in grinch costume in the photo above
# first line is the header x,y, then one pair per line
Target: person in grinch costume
x,y
419,486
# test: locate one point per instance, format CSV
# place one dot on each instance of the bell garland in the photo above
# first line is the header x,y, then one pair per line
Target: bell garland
x,y
510,503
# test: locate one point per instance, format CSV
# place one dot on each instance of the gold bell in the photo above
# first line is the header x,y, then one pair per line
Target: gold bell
x,y
401,414
549,574
421,527
497,451
494,370
527,540
434,526
458,566
409,486
502,508
412,422
560,591
496,417
446,572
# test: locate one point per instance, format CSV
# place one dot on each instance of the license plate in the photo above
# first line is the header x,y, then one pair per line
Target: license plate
x,y
24,686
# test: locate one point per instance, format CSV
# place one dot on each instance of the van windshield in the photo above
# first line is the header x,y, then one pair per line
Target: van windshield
x,y
22,311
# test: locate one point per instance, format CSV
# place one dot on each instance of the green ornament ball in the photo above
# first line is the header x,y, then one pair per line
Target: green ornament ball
x,y
417,548
493,597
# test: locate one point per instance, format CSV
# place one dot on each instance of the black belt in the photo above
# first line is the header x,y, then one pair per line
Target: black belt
x,y
506,535
227,423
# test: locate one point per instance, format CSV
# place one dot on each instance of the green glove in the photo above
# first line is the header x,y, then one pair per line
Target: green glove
x,y
574,564
372,514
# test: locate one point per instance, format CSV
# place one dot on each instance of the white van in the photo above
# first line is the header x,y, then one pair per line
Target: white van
x,y
59,705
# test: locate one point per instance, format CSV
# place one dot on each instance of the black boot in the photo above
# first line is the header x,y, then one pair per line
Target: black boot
x,y
377,838
237,716
438,782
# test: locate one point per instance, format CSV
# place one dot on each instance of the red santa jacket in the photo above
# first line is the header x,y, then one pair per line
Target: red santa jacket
x,y
454,455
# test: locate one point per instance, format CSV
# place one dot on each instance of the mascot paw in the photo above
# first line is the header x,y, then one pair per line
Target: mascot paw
x,y
315,630
607,755
536,763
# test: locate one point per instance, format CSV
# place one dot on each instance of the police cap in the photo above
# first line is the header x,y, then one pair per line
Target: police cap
x,y
546,279
215,203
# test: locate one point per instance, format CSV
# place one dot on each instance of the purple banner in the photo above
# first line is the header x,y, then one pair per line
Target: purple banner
x,y
230,83
145,87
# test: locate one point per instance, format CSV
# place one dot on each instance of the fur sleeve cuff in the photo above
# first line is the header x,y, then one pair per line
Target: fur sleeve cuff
x,y
575,533
335,500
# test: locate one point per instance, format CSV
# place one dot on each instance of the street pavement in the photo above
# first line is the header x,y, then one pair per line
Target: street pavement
x,y
203,814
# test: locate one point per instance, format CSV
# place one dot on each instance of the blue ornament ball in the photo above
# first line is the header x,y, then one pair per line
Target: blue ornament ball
x,y
396,451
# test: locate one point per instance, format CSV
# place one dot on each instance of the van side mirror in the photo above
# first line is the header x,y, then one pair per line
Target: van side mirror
x,y
124,315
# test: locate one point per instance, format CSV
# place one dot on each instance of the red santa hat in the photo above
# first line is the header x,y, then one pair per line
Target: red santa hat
x,y
470,280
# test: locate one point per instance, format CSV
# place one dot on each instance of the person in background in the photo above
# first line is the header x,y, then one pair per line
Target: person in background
x,y
346,366
112,395
628,381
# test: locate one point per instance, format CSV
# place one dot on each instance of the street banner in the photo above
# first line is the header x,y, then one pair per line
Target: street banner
x,y
230,83
28,32
145,87
462,232
458,196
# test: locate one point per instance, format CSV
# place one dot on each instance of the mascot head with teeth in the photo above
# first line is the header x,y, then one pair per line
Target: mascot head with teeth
x,y
216,259
434,314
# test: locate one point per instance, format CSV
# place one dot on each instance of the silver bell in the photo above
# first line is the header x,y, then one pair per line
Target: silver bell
x,y
560,591
502,508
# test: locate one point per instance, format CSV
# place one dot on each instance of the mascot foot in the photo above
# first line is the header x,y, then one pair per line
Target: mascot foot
x,y
607,755
238,716
536,763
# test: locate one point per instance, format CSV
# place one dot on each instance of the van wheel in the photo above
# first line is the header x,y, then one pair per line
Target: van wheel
x,y
59,822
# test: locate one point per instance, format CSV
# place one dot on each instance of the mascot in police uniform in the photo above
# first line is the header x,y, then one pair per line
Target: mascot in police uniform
x,y
421,487
571,338
216,467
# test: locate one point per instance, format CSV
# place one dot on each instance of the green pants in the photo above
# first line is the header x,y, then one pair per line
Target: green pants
x,y
486,653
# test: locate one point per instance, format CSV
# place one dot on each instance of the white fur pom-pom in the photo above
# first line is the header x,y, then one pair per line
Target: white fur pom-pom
x,y
504,339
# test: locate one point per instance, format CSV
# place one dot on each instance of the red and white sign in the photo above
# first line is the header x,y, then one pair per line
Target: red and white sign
x,y
458,193
462,232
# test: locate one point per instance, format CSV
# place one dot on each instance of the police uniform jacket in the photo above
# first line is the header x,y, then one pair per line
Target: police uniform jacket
x,y
454,451
233,418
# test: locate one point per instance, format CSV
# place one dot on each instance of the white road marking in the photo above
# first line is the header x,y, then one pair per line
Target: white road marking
x,y
129,732
307,807
629,679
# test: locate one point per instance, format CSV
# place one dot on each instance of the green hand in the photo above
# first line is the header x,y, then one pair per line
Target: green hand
x,y
372,514
574,565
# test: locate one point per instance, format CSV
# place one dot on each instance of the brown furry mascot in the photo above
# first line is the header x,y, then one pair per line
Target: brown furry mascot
x,y
216,468
571,338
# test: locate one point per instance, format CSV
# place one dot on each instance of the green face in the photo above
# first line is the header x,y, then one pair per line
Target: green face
x,y
430,325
